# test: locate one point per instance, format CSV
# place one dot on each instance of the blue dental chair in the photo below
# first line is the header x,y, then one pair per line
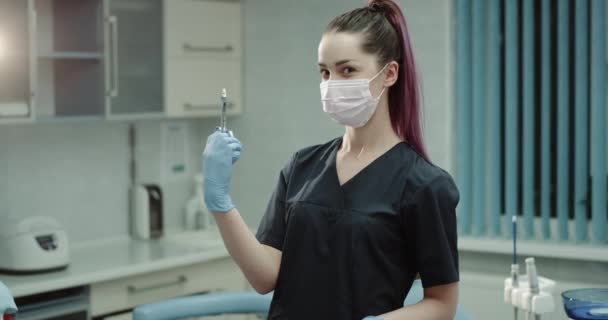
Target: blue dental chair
x,y
7,303
236,303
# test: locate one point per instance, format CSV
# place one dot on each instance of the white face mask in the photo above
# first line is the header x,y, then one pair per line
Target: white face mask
x,y
350,102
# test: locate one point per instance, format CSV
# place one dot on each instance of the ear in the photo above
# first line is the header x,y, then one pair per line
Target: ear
x,y
392,73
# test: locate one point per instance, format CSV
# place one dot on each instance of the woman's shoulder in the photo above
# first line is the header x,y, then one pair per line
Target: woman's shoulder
x,y
311,154
315,152
422,174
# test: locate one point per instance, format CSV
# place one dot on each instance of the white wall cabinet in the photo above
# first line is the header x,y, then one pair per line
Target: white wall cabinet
x,y
16,60
69,71
118,59
203,46
134,55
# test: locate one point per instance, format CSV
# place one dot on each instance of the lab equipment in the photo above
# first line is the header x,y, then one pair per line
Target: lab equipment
x,y
146,211
586,304
237,303
223,117
7,303
514,265
32,245
197,216
221,151
534,297
63,304
530,293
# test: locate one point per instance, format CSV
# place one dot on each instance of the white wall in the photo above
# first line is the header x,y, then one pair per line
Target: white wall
x,y
78,174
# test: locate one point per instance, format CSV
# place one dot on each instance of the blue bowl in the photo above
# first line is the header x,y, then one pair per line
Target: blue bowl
x,y
586,304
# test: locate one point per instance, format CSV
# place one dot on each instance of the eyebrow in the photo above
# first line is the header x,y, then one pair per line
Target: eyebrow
x,y
338,63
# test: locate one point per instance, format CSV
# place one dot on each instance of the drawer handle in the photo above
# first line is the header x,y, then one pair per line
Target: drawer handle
x,y
194,48
190,106
180,280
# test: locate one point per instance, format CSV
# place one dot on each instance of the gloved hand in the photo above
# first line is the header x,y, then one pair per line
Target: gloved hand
x,y
221,152
7,304
372,318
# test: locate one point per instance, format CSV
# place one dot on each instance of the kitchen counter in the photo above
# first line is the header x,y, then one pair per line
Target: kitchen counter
x,y
121,257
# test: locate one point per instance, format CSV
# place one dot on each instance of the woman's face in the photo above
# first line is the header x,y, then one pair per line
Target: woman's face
x,y
341,58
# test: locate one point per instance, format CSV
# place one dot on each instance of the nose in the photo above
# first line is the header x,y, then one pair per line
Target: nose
x,y
335,76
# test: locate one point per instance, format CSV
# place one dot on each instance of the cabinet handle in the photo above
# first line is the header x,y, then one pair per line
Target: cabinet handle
x,y
114,28
190,106
180,280
193,48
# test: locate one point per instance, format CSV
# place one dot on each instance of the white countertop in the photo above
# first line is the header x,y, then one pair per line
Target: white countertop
x,y
121,257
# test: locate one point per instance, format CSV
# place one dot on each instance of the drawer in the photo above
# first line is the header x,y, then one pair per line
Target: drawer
x,y
194,86
207,28
126,293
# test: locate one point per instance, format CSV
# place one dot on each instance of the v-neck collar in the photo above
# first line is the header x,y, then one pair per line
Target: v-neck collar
x,y
334,163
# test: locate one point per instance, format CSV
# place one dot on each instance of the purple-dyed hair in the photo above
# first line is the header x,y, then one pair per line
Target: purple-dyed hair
x,y
385,33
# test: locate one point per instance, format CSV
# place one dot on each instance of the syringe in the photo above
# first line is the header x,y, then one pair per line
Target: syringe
x,y
223,117
224,103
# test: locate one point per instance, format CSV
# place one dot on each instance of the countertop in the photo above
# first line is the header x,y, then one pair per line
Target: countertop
x,y
115,258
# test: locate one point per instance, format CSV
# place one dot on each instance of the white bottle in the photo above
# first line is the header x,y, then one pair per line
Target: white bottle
x,y
197,216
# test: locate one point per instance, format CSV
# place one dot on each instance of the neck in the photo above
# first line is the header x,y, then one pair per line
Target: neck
x,y
376,135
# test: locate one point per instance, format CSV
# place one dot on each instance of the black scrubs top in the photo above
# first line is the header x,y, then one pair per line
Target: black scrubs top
x,y
354,250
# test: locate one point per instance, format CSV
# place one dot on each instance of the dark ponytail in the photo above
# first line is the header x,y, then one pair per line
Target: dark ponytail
x,y
386,36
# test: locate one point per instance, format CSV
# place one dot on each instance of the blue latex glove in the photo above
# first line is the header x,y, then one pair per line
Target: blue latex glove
x,y
221,152
372,318
7,304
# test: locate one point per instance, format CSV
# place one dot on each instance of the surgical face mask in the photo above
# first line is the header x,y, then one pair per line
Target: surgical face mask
x,y
350,102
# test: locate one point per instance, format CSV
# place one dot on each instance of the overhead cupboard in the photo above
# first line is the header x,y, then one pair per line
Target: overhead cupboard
x,y
118,59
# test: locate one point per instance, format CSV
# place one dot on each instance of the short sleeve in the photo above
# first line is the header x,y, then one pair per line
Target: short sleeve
x,y
430,222
271,231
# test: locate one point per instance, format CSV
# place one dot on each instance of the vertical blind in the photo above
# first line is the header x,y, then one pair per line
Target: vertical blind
x,y
531,118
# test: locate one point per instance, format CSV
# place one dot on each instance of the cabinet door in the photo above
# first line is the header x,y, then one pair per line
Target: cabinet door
x,y
202,56
194,87
125,293
16,58
134,58
203,28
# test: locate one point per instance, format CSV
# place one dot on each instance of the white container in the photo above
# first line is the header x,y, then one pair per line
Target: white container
x,y
196,215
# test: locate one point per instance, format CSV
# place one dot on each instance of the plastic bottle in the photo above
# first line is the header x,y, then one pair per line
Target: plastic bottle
x,y
197,216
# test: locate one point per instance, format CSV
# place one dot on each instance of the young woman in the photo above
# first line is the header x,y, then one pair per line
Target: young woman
x,y
354,220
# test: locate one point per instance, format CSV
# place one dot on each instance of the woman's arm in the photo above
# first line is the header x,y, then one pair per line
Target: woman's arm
x,y
439,303
259,263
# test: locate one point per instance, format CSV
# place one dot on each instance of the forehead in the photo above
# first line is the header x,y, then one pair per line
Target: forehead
x,y
337,46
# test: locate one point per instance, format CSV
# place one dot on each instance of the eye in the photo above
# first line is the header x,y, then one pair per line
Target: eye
x,y
324,74
348,71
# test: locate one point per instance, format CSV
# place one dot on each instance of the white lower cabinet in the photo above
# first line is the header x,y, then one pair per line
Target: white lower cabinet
x,y
113,300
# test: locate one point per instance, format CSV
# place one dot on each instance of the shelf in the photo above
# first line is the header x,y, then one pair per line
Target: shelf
x,y
563,250
71,55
